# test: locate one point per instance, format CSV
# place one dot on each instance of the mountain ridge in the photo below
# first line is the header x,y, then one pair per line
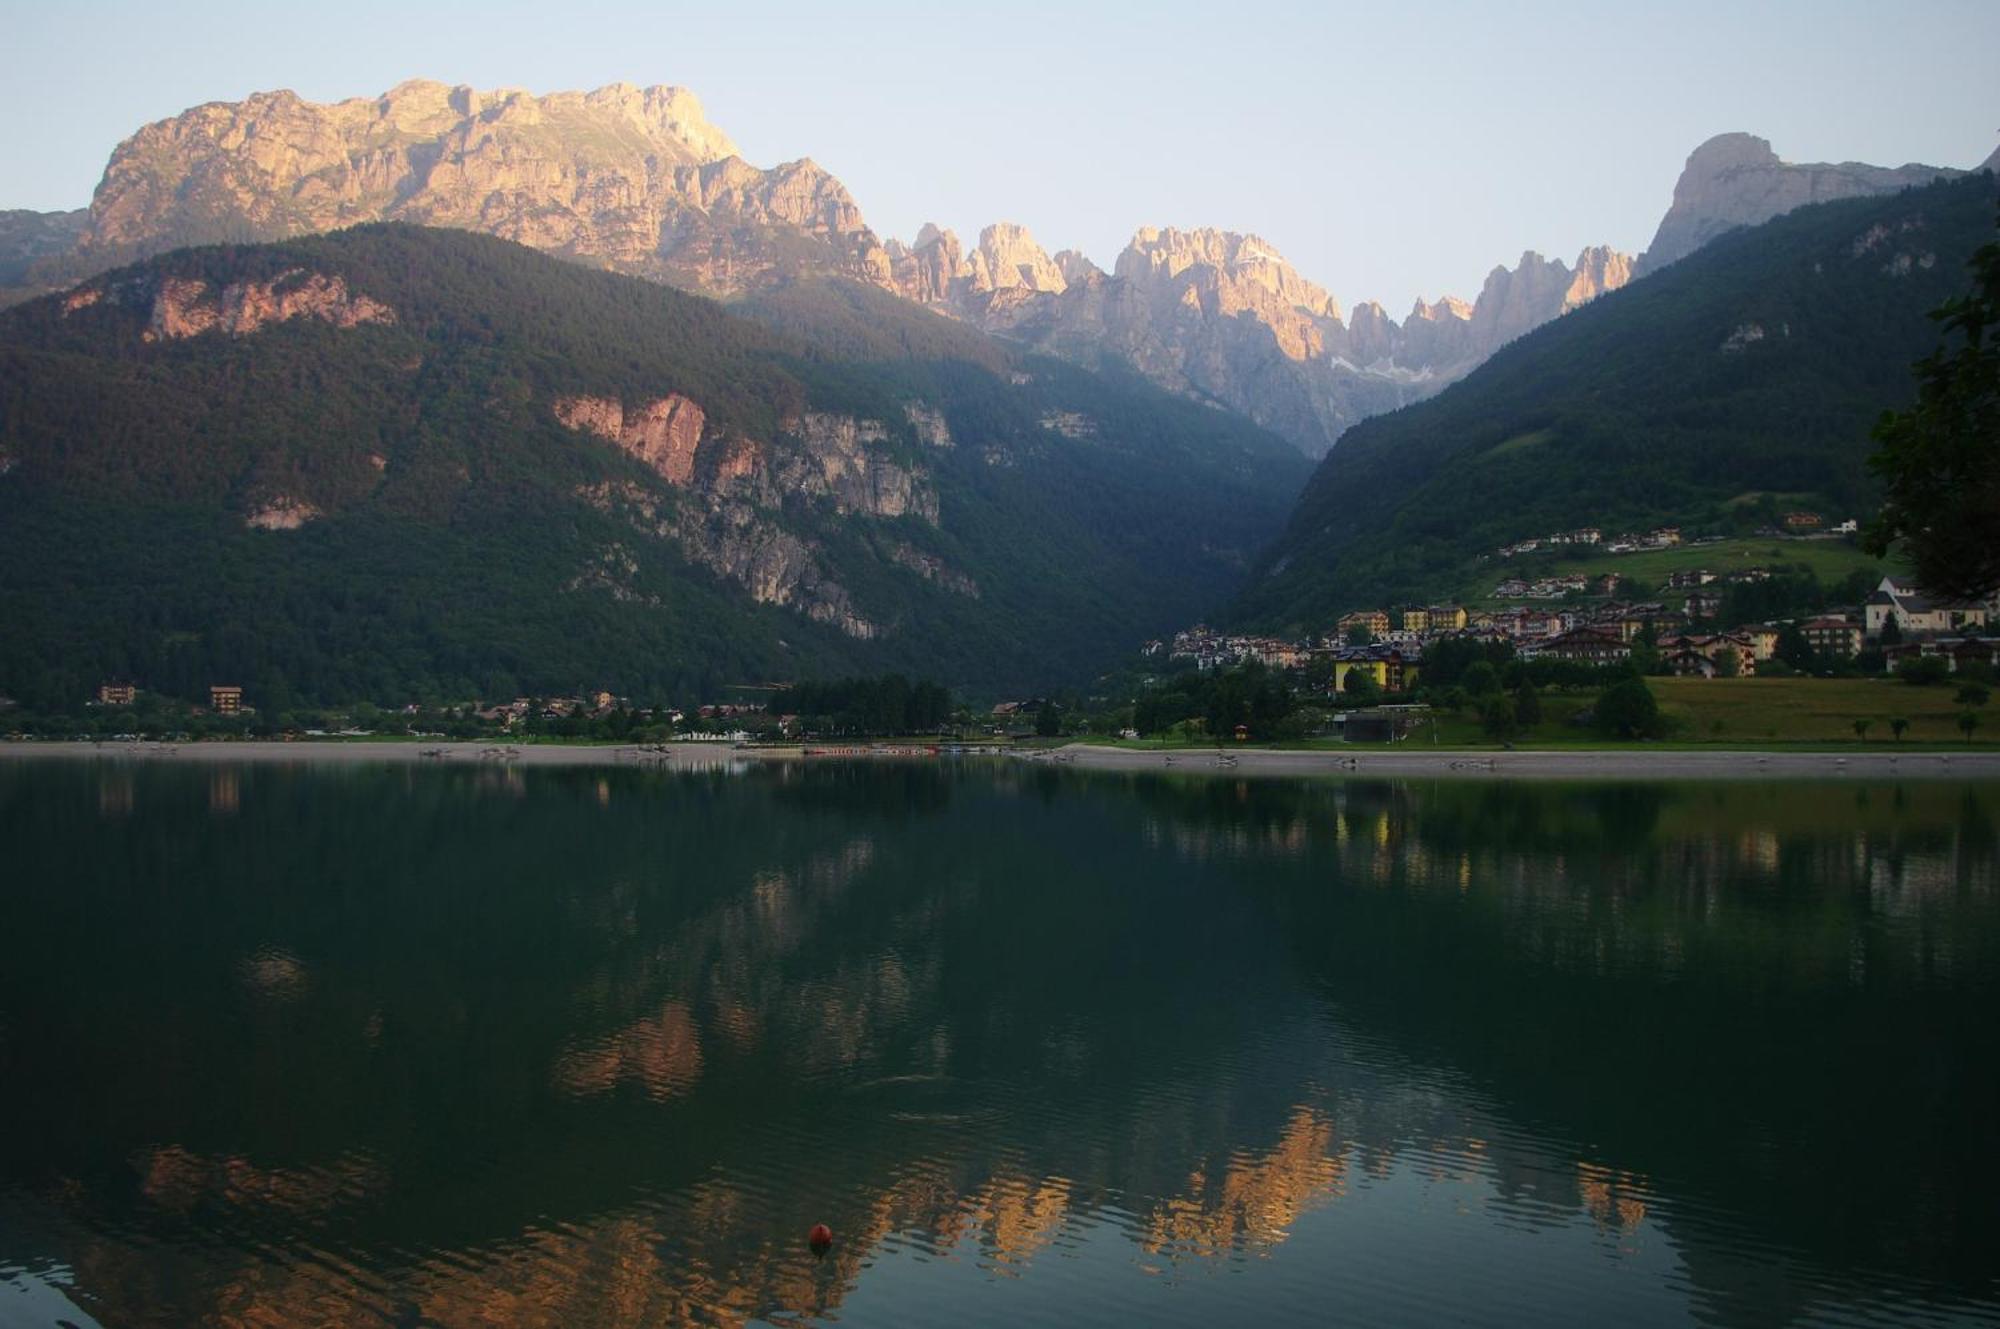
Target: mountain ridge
x,y
1749,372
392,460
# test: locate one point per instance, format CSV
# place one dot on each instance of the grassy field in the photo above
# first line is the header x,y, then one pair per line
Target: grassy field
x,y
1830,559
1815,710
1727,712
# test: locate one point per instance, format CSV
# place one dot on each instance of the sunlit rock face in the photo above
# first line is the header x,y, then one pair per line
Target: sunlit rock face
x,y
732,519
631,178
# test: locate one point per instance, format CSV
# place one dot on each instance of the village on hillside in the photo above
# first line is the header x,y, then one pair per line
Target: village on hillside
x,y
1677,634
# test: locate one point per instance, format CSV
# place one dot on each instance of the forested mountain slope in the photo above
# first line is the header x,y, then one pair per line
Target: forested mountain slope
x,y
1749,372
394,462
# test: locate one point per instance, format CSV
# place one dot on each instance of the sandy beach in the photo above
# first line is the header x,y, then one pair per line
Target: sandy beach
x,y
1410,762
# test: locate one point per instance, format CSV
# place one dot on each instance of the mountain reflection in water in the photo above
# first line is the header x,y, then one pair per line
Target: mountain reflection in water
x,y
451,1046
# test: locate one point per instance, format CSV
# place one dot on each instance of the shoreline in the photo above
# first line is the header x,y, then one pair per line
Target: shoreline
x,y
1586,764
1551,763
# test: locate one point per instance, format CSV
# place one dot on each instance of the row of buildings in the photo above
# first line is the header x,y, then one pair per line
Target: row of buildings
x,y
1605,632
1590,537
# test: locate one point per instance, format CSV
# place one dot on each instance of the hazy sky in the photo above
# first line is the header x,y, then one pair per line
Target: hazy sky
x,y
1390,150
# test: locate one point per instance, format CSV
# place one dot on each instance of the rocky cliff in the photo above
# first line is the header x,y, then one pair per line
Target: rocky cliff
x,y
1737,180
629,178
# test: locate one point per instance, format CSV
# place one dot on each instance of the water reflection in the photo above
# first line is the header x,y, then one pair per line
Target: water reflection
x,y
559,1047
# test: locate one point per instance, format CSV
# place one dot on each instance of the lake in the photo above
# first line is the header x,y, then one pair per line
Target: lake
x,y
426,1045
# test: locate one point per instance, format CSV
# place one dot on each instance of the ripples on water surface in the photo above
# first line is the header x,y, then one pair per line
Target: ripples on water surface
x,y
420,1046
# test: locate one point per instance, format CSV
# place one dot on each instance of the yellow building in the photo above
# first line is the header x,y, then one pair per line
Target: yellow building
x,y
1448,618
1389,670
1416,620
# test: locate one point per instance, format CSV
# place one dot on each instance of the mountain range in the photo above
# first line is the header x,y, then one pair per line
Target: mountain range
x,y
397,461
638,181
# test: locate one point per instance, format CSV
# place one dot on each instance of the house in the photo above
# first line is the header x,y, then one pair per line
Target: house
x,y
1958,651
115,694
1591,644
1762,637
1915,612
1702,604
1374,620
1687,662
1448,618
225,698
1833,634
1689,578
1392,667
1631,621
1416,620
1276,654
1725,653
1797,522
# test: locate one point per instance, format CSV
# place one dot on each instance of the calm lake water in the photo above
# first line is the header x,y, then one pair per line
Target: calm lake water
x,y
420,1046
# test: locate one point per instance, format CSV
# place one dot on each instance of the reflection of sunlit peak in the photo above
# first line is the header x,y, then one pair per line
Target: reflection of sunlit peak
x,y
274,974
175,1177
1017,1217
1256,1198
1614,1200
661,1052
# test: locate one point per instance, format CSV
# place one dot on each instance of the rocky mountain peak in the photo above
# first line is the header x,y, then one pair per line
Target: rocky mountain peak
x,y
633,178
1235,263
1009,257
1077,269
1599,268
1736,180
1448,307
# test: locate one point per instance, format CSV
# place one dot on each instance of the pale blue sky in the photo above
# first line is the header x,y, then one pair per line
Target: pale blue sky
x,y
1390,150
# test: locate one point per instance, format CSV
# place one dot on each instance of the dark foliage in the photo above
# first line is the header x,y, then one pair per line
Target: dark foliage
x,y
1940,460
891,704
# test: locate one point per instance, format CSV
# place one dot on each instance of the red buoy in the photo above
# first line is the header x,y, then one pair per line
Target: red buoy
x,y
820,1238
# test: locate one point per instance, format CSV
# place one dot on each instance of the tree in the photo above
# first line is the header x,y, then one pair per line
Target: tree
x,y
1924,670
1861,729
1628,709
1973,694
1646,656
1967,722
1940,460
1359,688
1892,632
1048,722
1728,664
1897,726
1480,678
1795,650
1496,716
1527,705
1360,636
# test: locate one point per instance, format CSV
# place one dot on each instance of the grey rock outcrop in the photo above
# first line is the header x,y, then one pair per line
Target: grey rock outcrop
x,y
1736,180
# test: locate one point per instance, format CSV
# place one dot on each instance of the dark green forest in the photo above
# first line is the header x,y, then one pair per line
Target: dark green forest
x,y
1747,373
445,560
